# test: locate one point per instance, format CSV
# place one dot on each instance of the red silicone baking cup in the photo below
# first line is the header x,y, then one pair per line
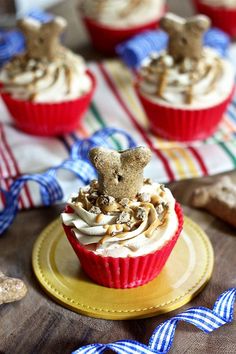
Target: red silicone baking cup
x,y
49,119
105,38
221,17
122,273
183,124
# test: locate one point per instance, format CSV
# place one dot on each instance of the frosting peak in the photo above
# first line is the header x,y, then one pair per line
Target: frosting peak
x,y
188,82
123,13
40,80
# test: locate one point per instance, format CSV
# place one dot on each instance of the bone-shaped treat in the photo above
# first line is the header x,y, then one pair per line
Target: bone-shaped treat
x,y
120,174
42,39
11,289
185,35
218,198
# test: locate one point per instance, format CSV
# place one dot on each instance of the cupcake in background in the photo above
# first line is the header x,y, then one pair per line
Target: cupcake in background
x,y
122,227
110,22
186,89
221,12
47,89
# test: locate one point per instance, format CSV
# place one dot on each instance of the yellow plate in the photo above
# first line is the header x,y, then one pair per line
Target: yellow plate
x,y
187,271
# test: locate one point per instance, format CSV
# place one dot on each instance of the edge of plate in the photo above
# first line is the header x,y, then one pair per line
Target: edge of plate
x,y
122,315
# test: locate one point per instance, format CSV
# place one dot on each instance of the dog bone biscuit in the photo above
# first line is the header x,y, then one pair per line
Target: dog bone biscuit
x,y
11,289
219,199
42,39
185,35
120,174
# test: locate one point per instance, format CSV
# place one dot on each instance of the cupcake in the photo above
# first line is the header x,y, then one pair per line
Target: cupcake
x,y
110,22
186,89
47,89
221,12
122,227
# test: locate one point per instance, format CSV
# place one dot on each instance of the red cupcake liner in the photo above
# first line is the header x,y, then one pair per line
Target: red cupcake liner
x,y
105,38
183,124
122,273
49,119
221,17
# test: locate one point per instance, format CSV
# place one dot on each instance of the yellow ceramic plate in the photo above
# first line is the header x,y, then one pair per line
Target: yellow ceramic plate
x,y
187,271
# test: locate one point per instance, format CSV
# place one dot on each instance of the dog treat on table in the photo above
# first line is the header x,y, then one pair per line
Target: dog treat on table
x,y
219,199
11,289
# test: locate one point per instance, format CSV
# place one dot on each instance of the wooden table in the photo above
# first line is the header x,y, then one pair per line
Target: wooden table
x,y
38,325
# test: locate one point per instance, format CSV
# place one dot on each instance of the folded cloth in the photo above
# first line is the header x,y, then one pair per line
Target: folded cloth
x,y
116,105
138,48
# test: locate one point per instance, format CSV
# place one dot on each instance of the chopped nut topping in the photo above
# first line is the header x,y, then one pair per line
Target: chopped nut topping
x,y
144,197
147,181
124,202
124,217
93,196
74,199
95,210
141,213
106,200
94,184
85,189
162,187
159,209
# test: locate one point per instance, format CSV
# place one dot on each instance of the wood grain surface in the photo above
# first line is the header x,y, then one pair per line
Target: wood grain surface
x,y
38,325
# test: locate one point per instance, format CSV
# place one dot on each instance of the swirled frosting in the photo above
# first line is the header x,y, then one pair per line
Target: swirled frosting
x,y
121,228
123,13
231,4
189,83
62,79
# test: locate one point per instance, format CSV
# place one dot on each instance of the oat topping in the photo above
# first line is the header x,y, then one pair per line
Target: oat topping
x,y
93,195
159,209
124,217
95,210
106,200
94,184
147,181
141,213
144,197
124,202
162,187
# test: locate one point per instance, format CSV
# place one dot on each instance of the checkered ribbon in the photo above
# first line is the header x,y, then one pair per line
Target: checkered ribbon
x,y
138,48
11,43
49,187
162,338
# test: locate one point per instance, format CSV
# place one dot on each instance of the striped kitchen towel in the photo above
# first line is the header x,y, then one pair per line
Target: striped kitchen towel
x,y
115,105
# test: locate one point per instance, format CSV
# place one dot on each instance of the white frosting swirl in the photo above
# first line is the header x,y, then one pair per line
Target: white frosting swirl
x,y
63,79
192,84
123,13
229,4
103,235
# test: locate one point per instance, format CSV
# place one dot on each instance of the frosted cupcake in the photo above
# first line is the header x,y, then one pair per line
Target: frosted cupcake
x,y
110,22
122,227
186,89
221,12
48,88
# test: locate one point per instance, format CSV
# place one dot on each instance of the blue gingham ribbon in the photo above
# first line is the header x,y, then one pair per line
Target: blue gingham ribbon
x,y
162,338
11,43
139,47
50,190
